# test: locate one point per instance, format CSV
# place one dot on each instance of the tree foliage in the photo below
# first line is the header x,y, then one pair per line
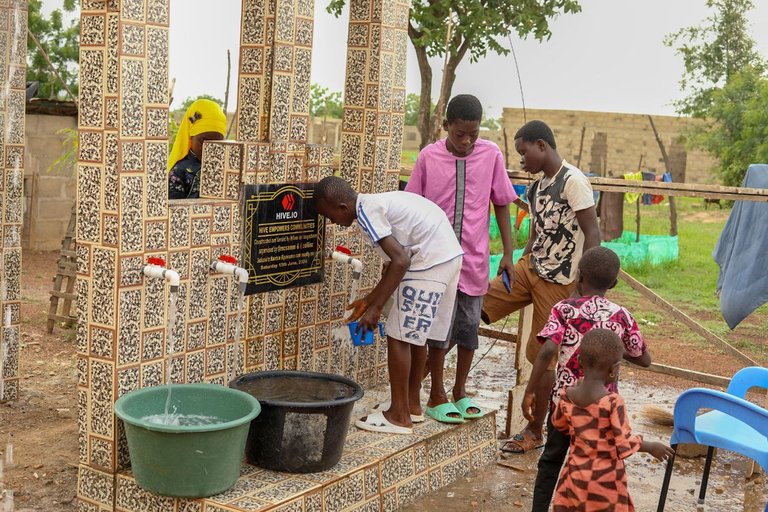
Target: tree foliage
x,y
713,52
737,133
476,28
61,42
412,101
725,83
324,103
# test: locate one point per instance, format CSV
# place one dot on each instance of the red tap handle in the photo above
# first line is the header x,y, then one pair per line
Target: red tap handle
x,y
154,260
226,258
344,250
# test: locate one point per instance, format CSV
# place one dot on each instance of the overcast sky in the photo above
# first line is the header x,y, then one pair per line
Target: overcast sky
x,y
609,57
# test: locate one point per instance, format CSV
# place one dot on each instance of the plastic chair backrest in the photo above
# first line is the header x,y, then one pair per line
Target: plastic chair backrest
x,y
690,401
746,378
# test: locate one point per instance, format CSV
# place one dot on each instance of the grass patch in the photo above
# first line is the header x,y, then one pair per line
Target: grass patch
x,y
692,278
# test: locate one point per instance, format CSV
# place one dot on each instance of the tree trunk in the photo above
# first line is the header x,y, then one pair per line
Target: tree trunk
x,y
425,100
446,86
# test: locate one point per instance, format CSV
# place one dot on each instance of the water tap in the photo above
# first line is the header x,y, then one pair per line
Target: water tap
x,y
227,264
155,267
344,255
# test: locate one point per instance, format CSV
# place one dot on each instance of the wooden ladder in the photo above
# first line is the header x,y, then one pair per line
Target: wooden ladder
x,y
66,274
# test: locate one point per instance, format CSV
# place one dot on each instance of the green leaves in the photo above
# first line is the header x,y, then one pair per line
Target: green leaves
x,y
726,85
60,40
713,52
324,103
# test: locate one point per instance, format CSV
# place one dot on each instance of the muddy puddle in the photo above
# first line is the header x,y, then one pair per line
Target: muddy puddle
x,y
509,486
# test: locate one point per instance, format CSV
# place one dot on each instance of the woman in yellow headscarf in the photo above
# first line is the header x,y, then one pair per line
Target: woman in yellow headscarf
x,y
204,120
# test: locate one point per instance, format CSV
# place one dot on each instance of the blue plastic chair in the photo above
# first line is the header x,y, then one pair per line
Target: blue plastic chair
x,y
733,424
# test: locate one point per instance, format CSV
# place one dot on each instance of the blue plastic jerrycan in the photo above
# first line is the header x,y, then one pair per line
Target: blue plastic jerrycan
x,y
364,336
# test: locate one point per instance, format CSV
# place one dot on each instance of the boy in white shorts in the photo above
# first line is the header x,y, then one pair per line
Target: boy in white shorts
x,y
422,265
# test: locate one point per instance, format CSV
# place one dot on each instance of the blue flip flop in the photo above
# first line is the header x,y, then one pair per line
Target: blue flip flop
x,y
466,403
441,413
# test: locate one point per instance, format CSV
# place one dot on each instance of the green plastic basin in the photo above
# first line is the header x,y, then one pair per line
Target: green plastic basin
x,y
187,461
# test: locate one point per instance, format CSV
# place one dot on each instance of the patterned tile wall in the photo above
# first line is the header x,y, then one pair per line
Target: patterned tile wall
x,y
124,336
13,58
374,95
122,219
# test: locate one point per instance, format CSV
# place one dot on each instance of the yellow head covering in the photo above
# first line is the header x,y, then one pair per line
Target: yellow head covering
x,y
201,116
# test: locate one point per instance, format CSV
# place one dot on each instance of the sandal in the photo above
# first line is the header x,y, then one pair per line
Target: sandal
x,y
376,422
443,412
465,404
384,406
522,442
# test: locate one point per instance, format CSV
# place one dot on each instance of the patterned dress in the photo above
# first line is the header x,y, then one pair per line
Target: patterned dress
x,y
593,478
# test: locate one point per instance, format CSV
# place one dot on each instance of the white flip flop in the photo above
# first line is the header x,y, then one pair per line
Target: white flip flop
x,y
376,422
384,406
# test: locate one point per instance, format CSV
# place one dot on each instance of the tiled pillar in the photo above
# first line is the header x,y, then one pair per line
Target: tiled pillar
x,y
372,124
13,58
290,329
122,219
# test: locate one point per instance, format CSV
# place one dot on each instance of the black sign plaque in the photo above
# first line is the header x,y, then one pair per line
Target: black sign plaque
x,y
283,237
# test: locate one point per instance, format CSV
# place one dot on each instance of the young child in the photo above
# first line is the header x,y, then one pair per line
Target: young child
x,y
568,322
203,120
423,261
463,175
597,424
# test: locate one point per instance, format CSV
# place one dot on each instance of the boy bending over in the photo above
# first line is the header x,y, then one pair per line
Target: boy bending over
x,y
422,265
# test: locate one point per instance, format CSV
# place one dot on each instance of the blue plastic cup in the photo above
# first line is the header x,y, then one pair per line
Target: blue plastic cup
x,y
363,336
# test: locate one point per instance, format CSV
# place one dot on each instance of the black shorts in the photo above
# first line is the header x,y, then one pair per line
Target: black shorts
x,y
466,321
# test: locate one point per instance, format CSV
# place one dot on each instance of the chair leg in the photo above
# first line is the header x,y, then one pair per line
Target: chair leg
x,y
705,478
667,478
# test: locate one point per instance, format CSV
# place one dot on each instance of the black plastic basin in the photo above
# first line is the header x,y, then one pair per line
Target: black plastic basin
x,y
304,419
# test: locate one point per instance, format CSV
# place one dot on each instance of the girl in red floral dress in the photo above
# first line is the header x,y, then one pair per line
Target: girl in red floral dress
x,y
593,477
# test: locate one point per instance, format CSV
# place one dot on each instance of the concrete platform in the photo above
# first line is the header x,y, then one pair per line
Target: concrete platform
x,y
377,473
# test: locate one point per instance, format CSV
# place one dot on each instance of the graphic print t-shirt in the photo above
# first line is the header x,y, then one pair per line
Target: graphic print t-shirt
x,y
418,224
559,243
571,319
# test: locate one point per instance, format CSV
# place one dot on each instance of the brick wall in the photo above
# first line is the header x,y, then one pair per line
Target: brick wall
x,y
48,195
628,136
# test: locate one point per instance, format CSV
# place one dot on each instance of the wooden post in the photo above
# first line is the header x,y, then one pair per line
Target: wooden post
x,y
637,204
581,145
506,146
515,419
685,319
667,168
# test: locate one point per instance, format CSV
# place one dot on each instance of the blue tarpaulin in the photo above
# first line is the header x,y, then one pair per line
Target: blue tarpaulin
x,y
740,252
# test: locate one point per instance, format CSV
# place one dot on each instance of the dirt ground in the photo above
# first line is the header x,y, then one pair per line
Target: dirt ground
x,y
42,425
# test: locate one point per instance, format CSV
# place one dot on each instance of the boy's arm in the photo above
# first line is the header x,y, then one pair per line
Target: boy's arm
x,y
505,229
643,359
635,347
587,220
368,309
521,204
547,352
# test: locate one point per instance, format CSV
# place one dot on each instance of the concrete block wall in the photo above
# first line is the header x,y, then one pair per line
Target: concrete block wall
x,y
13,58
48,194
628,136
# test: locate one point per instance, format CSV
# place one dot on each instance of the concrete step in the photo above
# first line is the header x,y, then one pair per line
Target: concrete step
x,y
377,473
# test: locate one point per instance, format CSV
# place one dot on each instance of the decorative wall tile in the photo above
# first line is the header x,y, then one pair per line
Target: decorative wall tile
x,y
133,40
132,87
158,14
128,337
131,200
95,485
131,498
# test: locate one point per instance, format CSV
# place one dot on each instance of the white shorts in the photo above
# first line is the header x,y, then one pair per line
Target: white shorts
x,y
424,304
